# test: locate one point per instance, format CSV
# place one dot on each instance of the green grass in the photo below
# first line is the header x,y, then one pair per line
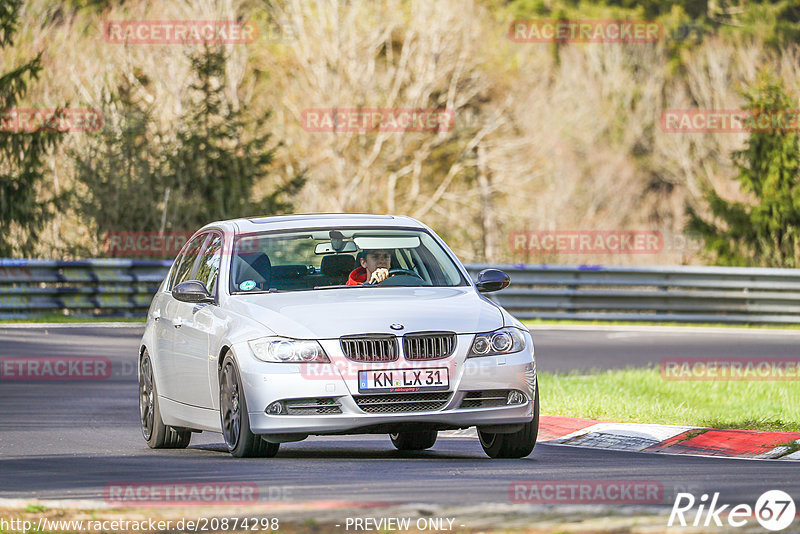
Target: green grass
x,y
544,323
642,396
59,318
72,319
35,508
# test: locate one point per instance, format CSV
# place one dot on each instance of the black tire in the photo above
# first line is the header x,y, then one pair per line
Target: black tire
x,y
517,445
414,441
241,442
155,432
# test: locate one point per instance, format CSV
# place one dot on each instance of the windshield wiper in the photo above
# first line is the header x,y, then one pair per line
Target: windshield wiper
x,y
345,286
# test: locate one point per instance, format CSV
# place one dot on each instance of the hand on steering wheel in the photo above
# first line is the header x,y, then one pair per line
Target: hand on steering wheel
x,y
379,276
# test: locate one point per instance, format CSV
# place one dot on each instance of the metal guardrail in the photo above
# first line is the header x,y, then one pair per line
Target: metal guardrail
x,y
113,287
664,294
110,287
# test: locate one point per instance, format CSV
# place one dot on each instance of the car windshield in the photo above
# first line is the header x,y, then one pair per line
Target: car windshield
x,y
326,258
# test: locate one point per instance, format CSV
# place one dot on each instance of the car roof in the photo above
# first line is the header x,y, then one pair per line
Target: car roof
x,y
315,220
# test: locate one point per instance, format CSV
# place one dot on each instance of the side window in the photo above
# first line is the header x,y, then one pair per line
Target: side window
x,y
208,269
190,253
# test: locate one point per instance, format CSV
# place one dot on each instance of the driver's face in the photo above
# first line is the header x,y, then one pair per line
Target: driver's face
x,y
380,259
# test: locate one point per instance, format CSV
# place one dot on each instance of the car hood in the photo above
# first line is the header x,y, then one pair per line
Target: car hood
x,y
331,313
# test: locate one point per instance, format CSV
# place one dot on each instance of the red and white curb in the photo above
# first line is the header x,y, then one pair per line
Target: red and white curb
x,y
622,436
668,439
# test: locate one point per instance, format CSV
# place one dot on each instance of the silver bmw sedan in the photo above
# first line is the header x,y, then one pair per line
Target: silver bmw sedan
x,y
272,329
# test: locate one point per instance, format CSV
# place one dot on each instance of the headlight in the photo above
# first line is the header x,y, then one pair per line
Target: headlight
x,y
285,350
503,341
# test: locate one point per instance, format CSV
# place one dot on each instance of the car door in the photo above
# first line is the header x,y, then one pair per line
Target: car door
x,y
161,351
194,324
167,365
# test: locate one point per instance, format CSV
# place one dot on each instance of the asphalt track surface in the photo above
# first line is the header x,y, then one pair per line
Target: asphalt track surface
x,y
69,440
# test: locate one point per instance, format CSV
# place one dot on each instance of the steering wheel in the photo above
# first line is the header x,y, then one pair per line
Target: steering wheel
x,y
404,277
409,272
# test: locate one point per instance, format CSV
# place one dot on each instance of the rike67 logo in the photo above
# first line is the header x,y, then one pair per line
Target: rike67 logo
x,y
774,510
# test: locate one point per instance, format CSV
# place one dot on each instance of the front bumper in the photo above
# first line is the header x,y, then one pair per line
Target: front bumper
x,y
265,383
260,423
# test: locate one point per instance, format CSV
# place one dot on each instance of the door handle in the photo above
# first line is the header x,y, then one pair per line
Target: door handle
x,y
177,324
156,315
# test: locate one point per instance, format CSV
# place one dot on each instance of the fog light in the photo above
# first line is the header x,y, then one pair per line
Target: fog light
x,y
515,397
276,408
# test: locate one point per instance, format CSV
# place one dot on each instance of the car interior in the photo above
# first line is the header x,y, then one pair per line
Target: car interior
x,y
257,271
326,258
334,270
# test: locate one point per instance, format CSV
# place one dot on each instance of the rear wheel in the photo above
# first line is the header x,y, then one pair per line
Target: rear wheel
x,y
414,441
516,445
155,432
241,442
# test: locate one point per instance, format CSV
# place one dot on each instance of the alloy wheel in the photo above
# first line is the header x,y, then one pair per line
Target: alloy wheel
x,y
146,405
229,401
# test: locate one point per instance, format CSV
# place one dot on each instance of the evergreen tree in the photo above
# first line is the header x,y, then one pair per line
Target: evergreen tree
x,y
121,169
136,178
766,233
217,160
22,153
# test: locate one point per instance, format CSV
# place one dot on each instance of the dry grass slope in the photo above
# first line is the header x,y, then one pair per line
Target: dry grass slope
x,y
539,144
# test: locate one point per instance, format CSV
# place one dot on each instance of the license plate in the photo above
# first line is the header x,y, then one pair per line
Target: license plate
x,y
400,380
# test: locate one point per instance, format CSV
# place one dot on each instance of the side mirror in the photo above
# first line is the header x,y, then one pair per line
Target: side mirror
x,y
492,280
192,291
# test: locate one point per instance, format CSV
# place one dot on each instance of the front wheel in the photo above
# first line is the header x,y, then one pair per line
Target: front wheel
x,y
516,445
155,432
414,441
241,442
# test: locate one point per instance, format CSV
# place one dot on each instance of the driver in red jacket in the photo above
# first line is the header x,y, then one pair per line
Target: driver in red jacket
x,y
374,267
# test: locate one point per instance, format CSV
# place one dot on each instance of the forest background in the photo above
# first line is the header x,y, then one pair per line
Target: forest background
x,y
547,137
